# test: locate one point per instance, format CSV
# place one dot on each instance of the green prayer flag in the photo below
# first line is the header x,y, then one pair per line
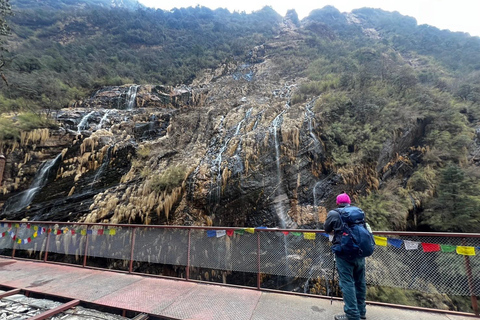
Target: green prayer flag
x,y
447,248
298,234
241,231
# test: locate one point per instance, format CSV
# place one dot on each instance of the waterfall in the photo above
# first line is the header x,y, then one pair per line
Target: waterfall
x,y
83,123
104,118
105,163
23,199
132,97
309,116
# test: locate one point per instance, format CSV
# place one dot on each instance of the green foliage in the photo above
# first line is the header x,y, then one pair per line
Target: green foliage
x,y
169,179
457,205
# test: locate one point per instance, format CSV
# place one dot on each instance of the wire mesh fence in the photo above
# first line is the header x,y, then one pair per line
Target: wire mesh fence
x,y
427,263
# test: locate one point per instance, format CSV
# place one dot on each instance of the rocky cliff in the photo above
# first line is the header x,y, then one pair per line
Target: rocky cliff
x,y
231,149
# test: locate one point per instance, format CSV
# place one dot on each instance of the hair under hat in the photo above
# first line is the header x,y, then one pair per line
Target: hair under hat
x,y
343,198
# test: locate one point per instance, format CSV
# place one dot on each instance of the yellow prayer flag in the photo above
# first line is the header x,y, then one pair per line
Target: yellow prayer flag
x,y
466,251
83,232
112,232
309,235
35,228
65,231
35,234
250,230
19,240
17,225
380,241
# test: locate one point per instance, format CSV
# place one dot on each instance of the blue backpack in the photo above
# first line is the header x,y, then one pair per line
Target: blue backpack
x,y
356,241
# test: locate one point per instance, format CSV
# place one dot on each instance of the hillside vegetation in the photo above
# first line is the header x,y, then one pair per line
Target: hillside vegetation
x,y
375,78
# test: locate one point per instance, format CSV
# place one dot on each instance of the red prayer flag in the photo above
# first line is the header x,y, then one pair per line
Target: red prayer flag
x,y
9,225
285,233
28,226
230,232
14,237
100,232
430,247
59,232
73,231
29,240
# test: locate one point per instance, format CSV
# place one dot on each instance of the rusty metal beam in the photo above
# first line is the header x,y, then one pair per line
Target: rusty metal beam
x,y
9,293
49,313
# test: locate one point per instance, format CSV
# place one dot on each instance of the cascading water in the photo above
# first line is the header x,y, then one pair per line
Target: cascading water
x,y
309,116
23,199
131,97
104,118
105,163
82,125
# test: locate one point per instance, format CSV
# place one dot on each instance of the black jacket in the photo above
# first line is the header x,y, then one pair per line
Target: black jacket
x,y
334,223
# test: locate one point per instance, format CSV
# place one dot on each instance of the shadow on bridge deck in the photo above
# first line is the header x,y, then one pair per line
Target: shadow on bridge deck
x,y
176,299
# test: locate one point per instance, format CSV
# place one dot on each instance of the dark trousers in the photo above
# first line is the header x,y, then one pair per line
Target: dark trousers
x,y
354,289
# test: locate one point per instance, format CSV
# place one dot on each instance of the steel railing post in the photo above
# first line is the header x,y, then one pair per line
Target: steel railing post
x,y
132,243
15,242
471,285
187,272
86,248
258,262
47,245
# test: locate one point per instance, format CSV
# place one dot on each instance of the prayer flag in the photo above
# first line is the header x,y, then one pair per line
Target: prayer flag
x,y
2,224
29,239
13,237
65,231
17,225
72,231
28,226
112,232
230,232
100,232
35,228
9,225
25,241
380,241
447,248
59,232
325,235
261,227
466,251
35,234
297,234
221,233
19,241
411,245
241,231
250,230
89,231
211,233
397,243
94,232
83,232
1,235
309,235
430,247
285,233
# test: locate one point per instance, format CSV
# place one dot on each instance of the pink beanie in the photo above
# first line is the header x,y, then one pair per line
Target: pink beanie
x,y
343,198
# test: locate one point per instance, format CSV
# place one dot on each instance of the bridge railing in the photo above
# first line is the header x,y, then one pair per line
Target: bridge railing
x,y
266,259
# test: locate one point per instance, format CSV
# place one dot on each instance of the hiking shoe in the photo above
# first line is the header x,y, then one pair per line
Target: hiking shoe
x,y
341,317
363,317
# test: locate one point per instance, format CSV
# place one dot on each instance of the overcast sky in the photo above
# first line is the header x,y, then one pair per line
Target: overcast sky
x,y
455,15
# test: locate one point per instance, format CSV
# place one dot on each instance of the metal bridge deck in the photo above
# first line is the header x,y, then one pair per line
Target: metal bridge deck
x,y
174,299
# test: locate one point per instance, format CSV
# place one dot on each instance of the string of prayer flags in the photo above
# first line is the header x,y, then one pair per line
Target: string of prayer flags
x,y
430,247
211,233
250,230
411,245
221,233
230,232
397,243
380,241
309,235
466,251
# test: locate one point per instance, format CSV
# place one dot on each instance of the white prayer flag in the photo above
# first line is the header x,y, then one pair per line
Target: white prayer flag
x,y
411,245
221,233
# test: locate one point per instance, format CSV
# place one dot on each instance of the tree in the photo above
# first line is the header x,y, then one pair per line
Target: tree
x,y
5,11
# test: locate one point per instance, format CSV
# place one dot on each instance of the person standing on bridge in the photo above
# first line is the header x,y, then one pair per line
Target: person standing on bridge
x,y
348,222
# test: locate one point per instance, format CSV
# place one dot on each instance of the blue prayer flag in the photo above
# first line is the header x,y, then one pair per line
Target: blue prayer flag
x,y
397,243
261,228
89,232
2,225
211,233
325,235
